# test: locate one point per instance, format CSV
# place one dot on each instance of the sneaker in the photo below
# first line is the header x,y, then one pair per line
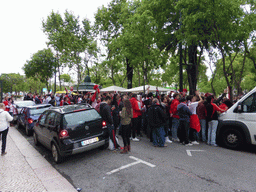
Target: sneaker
x,y
177,139
135,139
4,153
167,140
189,144
195,143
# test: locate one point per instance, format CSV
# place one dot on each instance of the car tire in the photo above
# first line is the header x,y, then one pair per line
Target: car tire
x,y
28,131
56,154
35,139
232,138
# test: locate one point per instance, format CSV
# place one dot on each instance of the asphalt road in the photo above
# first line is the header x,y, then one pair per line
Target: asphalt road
x,y
147,168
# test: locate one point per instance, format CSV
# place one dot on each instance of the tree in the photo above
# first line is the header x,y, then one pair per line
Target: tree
x,y
41,66
53,28
12,82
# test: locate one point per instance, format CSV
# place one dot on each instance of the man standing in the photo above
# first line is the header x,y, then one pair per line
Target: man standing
x,y
5,118
157,118
184,116
135,119
105,112
175,116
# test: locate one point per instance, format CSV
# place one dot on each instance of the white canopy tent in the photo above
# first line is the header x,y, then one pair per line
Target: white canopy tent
x,y
113,89
152,88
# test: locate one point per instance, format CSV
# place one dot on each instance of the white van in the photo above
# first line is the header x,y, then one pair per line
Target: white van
x,y
237,126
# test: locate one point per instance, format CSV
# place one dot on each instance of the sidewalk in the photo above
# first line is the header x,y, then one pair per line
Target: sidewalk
x,y
24,169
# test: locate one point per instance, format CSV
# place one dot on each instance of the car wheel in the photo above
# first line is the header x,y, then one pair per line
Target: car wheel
x,y
28,131
232,138
35,139
56,154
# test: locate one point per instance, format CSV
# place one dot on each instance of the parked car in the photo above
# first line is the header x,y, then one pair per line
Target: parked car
x,y
19,105
29,115
237,126
70,129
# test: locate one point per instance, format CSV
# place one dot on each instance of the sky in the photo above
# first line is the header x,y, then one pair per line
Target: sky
x,y
21,33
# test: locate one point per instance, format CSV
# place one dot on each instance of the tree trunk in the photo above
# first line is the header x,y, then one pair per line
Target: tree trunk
x,y
129,70
192,68
139,75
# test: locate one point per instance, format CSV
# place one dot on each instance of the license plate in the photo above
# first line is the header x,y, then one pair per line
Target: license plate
x,y
89,141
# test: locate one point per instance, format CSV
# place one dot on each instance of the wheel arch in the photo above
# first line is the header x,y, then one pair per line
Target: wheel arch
x,y
241,127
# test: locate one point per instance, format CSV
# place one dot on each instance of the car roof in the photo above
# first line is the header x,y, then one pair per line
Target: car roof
x,y
17,102
72,108
38,106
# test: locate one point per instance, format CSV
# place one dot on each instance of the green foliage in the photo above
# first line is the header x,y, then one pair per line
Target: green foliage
x,y
41,66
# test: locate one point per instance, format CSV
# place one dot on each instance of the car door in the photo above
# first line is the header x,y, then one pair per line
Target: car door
x,y
40,128
248,115
50,127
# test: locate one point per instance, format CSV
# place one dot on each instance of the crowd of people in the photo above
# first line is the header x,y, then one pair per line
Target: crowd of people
x,y
166,118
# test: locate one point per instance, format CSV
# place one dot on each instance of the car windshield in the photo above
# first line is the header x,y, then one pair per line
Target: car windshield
x,y
80,117
38,111
25,103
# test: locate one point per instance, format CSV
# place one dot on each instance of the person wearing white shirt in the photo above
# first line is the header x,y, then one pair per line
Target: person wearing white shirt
x,y
194,120
5,119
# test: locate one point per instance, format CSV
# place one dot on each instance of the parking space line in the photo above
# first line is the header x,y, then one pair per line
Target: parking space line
x,y
189,152
131,164
146,163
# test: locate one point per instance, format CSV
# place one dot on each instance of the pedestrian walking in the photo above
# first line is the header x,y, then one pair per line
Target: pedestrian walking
x,y
126,116
157,118
5,118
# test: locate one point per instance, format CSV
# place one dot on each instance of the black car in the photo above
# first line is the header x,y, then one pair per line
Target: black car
x,y
18,106
29,115
70,129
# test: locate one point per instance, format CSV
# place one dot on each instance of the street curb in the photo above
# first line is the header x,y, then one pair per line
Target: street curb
x,y
51,179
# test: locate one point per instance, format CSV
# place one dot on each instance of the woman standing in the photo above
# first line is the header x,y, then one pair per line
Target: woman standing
x,y
5,118
126,116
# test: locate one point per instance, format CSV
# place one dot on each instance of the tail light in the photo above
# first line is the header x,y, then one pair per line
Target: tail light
x,y
30,120
63,134
104,124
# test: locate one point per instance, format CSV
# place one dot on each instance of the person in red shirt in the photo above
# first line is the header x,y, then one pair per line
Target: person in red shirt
x,y
135,119
6,103
175,116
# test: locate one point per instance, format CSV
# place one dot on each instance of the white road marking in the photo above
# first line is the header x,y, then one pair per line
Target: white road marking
x,y
189,152
131,164
141,161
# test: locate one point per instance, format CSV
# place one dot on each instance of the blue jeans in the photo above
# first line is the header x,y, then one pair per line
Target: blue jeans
x,y
175,125
203,129
212,128
158,136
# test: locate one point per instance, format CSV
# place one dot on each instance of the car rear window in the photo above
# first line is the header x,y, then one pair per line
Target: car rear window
x,y
80,117
38,111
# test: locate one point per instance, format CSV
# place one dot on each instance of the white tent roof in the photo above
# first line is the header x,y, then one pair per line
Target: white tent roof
x,y
151,89
113,88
